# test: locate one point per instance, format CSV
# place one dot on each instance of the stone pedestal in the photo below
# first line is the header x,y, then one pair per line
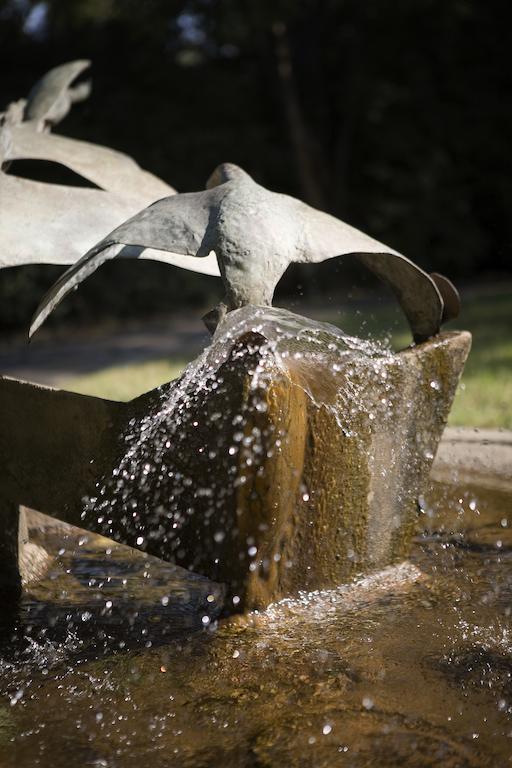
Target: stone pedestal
x,y
288,458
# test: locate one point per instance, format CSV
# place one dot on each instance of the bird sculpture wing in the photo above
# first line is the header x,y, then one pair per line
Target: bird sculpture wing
x,y
54,224
107,168
451,298
45,94
420,296
180,224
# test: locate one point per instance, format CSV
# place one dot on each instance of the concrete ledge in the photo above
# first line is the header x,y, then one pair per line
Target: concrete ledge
x,y
476,456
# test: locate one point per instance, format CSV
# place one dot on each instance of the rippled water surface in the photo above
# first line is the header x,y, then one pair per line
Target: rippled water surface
x,y
117,659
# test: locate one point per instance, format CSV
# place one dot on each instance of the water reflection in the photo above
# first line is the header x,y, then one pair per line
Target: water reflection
x,y
116,658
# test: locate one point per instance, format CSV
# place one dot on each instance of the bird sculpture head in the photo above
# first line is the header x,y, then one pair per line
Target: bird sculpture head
x,y
255,234
226,172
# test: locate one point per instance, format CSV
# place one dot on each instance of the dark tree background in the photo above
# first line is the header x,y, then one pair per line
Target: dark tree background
x,y
395,116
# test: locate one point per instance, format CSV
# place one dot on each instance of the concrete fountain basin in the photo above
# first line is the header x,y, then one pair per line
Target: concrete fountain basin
x,y
288,457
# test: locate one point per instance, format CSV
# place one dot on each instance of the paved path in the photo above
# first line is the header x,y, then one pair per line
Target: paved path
x,y
52,360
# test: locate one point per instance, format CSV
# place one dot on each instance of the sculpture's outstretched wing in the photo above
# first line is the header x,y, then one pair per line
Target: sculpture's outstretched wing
x,y
43,99
53,224
178,224
107,168
325,237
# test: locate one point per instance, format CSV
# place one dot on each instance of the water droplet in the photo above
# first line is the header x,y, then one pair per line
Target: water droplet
x,y
326,729
17,696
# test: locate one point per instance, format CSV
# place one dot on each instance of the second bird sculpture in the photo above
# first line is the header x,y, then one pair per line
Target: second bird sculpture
x,y
256,234
52,223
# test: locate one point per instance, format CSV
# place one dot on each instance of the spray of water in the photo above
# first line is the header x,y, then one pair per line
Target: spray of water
x,y
195,422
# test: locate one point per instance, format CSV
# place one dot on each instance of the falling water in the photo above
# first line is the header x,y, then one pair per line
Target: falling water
x,y
150,495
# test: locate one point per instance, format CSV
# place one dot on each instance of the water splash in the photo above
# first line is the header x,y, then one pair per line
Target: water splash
x,y
186,423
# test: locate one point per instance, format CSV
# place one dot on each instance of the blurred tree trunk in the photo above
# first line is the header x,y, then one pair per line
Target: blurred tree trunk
x,y
349,111
306,159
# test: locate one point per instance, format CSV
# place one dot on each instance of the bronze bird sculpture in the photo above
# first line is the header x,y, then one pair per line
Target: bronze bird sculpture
x,y
45,223
255,234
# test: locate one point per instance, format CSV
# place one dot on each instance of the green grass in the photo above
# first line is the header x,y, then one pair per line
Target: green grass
x,y
484,398
125,382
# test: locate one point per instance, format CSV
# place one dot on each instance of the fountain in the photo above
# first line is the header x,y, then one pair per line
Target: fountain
x,y
285,477
279,442
286,438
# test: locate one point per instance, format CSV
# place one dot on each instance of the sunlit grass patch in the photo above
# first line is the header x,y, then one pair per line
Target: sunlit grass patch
x,y
484,398
124,382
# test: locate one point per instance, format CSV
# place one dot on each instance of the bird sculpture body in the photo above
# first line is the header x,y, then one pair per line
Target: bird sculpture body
x,y
255,235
